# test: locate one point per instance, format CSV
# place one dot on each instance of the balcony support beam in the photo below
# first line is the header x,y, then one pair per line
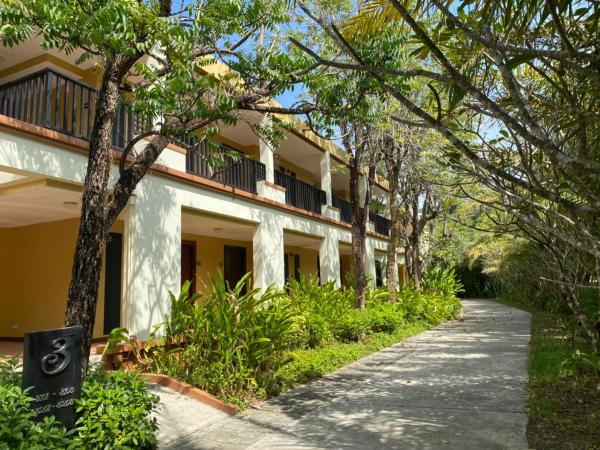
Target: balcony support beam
x,y
152,256
326,176
266,154
329,260
267,253
370,266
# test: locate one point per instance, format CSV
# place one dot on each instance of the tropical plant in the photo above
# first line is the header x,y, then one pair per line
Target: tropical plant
x,y
441,281
226,341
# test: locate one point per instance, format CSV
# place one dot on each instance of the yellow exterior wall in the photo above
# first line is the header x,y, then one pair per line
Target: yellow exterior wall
x,y
251,151
301,174
343,194
35,263
210,255
346,267
308,260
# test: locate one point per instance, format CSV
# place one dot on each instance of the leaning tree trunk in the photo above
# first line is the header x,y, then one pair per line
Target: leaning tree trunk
x,y
359,231
391,269
87,263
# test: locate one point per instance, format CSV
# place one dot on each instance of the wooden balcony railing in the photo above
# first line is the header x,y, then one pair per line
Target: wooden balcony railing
x,y
344,207
300,194
57,102
239,172
382,225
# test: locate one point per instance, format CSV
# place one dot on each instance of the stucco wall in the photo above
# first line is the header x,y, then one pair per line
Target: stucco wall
x,y
210,252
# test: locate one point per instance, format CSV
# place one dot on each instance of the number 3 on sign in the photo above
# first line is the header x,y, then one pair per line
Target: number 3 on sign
x,y
57,361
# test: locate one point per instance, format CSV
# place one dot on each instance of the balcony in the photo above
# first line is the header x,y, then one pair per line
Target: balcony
x,y
344,207
382,225
56,102
241,173
300,194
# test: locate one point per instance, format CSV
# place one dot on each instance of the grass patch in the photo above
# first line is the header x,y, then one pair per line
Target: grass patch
x,y
563,409
306,365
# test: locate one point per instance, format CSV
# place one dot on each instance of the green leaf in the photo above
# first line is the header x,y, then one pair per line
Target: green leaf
x,y
518,60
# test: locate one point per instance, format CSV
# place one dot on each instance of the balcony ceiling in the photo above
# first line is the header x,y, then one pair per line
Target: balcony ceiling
x,y
11,56
242,134
31,200
299,152
202,224
301,240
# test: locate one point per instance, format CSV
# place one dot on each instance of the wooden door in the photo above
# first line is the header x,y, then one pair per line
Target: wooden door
x,y
234,265
188,263
112,283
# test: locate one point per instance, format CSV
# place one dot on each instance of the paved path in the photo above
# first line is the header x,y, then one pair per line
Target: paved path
x,y
458,386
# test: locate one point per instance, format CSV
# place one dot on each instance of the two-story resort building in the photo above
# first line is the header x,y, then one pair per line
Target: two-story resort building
x,y
275,213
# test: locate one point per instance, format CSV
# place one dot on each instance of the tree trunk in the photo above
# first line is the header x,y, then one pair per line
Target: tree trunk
x,y
391,270
359,231
87,263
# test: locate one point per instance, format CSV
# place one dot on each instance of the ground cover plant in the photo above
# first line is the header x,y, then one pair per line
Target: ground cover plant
x,y
114,413
242,346
563,401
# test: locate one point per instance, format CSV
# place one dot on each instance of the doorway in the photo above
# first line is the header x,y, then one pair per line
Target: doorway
x,y
112,283
188,263
234,265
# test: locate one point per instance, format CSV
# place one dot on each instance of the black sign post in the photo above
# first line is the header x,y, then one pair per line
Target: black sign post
x,y
52,369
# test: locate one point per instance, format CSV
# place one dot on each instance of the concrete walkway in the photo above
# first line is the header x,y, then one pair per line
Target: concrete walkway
x,y
458,386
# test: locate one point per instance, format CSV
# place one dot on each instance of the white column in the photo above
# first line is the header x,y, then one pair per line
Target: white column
x,y
326,176
383,270
267,253
266,154
370,268
329,260
152,257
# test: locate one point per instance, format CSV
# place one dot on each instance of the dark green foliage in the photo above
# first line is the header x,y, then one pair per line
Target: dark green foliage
x,y
476,284
441,281
237,344
115,412
19,431
227,343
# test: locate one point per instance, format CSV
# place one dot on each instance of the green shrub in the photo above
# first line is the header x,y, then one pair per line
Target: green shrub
x,y
225,342
317,330
115,412
19,430
353,327
441,281
384,318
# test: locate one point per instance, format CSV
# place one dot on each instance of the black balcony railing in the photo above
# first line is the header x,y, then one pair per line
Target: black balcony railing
x,y
300,194
56,102
344,207
382,225
223,165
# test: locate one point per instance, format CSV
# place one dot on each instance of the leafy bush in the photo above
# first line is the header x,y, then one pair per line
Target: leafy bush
x,y
315,308
227,343
115,412
19,430
441,281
